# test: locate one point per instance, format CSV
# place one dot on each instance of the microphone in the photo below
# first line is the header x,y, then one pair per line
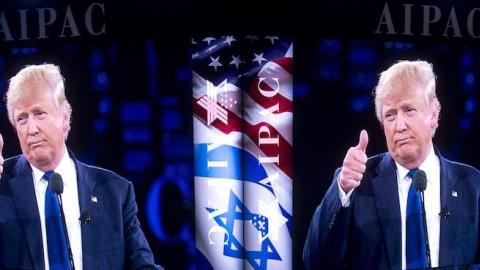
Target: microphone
x,y
420,180
445,212
56,185
85,217
420,184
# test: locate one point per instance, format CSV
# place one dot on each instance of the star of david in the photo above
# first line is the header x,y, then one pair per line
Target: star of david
x,y
258,259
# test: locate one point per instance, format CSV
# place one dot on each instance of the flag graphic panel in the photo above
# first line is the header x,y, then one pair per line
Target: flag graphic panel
x,y
242,104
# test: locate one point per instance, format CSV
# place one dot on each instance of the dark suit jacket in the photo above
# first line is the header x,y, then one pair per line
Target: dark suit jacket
x,y
111,240
367,234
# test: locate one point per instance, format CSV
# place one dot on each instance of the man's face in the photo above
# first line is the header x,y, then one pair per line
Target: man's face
x,y
41,129
408,124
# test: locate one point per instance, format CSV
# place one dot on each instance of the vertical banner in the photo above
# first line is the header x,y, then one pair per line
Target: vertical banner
x,y
242,105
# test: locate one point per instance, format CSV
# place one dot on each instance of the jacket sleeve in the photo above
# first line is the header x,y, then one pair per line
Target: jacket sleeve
x,y
138,252
326,243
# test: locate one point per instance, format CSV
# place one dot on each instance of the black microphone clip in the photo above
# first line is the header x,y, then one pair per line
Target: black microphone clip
x,y
85,218
444,213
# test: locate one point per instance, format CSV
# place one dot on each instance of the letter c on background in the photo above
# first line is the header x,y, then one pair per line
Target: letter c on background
x,y
154,207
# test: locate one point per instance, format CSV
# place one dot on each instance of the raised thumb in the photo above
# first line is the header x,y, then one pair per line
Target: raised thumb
x,y
363,141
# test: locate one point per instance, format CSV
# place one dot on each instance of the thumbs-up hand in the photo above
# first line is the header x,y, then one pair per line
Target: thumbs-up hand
x,y
354,164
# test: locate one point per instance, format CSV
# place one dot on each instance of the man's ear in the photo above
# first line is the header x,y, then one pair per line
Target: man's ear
x,y
66,120
434,116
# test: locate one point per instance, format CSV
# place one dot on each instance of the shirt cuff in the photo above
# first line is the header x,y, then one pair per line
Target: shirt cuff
x,y
344,197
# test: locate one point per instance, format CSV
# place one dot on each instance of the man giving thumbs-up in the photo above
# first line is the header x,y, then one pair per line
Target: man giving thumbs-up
x,y
367,218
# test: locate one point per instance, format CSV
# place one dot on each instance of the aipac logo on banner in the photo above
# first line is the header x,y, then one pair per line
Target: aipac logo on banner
x,y
242,104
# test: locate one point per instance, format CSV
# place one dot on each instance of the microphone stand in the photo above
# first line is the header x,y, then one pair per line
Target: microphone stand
x,y
70,255
427,244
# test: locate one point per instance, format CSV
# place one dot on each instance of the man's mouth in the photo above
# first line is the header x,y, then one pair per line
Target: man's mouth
x,y
36,144
403,141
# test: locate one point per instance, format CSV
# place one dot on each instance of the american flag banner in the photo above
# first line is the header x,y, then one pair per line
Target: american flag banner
x,y
242,106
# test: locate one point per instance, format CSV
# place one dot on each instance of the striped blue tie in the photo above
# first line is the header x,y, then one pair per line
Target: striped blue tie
x,y
415,240
56,242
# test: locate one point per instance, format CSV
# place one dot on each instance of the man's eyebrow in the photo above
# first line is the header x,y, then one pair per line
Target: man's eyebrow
x,y
15,116
389,110
408,104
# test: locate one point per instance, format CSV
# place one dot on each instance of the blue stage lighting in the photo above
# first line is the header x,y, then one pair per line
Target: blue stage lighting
x,y
176,145
105,106
466,60
171,120
137,135
329,48
470,105
359,103
139,112
96,59
328,71
468,82
301,90
100,126
362,79
168,101
362,55
137,160
465,124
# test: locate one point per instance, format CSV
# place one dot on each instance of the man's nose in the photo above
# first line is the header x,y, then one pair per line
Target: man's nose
x,y
32,126
400,124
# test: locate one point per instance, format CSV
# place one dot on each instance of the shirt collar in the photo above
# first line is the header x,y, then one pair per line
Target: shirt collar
x,y
61,168
429,165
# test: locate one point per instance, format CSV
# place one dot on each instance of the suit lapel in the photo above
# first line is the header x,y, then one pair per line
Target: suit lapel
x,y
90,204
85,187
23,192
448,225
385,193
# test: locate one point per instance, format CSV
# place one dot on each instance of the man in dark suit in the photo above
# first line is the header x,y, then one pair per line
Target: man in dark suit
x,y
365,219
100,208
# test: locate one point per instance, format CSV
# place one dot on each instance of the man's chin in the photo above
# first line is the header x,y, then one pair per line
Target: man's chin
x,y
405,154
38,159
406,150
408,160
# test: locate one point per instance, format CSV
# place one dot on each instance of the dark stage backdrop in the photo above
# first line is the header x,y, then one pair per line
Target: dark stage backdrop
x,y
130,89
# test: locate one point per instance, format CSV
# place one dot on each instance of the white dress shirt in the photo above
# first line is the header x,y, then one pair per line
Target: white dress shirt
x,y
431,166
71,207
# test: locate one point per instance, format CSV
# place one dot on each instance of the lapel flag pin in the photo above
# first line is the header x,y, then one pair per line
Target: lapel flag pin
x,y
95,200
454,194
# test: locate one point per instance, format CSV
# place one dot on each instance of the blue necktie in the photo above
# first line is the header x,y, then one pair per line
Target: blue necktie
x,y
415,240
56,242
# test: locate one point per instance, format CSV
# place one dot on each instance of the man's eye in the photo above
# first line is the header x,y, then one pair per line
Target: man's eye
x,y
21,120
389,116
411,111
40,115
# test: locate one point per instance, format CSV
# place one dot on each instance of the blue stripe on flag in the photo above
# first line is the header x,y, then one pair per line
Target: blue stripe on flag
x,y
254,171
